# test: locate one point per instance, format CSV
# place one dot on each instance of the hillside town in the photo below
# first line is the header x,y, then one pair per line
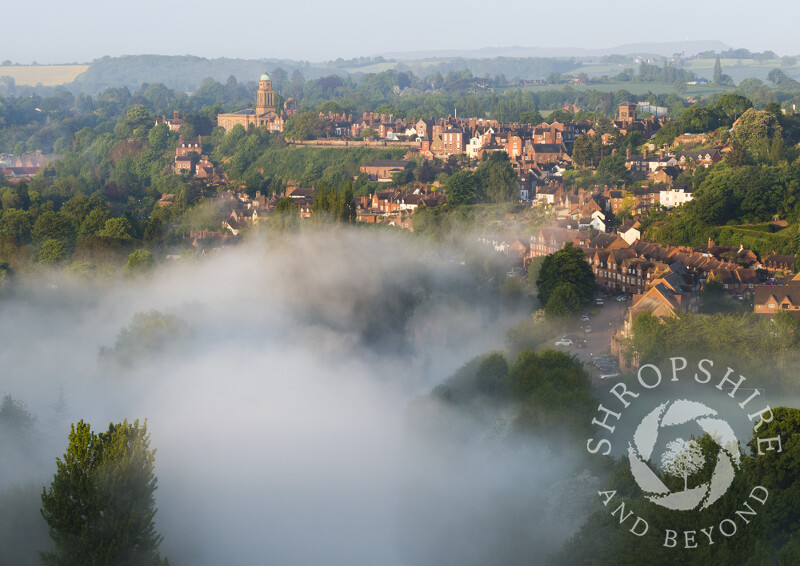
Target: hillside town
x,y
603,220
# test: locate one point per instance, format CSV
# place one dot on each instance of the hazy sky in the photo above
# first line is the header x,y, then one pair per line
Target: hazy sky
x,y
322,30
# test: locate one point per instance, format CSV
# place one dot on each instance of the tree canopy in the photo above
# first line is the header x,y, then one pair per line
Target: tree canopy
x,y
568,270
100,506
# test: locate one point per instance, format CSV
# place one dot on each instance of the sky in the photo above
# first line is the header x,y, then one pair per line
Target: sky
x,y
316,30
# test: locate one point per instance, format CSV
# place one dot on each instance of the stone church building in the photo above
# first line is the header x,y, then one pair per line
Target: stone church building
x,y
264,113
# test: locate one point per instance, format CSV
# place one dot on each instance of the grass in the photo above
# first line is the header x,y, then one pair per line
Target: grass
x,y
636,88
47,75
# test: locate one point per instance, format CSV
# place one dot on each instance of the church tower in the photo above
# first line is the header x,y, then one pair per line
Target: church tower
x,y
265,97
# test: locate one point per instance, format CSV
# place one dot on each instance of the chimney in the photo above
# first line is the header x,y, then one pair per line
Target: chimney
x,y
661,154
628,153
175,115
645,153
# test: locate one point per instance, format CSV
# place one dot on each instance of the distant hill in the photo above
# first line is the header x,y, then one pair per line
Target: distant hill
x,y
688,48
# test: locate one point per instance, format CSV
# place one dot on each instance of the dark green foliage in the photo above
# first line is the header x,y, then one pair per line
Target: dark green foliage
x,y
550,386
139,262
743,340
462,188
497,178
304,126
332,204
100,506
564,301
769,538
567,265
52,252
54,226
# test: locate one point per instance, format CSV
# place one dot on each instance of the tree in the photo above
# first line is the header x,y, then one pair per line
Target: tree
x,y
583,151
368,133
140,261
567,265
612,170
52,252
304,126
54,226
756,131
498,178
16,224
717,77
564,301
93,223
461,188
120,228
732,106
682,459
100,506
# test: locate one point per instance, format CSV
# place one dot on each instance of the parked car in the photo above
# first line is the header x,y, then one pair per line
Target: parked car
x,y
563,342
598,301
609,375
581,343
622,298
584,318
587,328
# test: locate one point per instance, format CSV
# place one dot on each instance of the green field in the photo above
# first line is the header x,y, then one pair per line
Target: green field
x,y
637,88
47,75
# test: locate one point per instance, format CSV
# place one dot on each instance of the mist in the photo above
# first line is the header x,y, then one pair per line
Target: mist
x,y
286,385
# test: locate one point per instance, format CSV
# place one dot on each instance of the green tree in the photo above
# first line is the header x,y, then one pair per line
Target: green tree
x,y
612,170
756,131
564,301
158,137
717,76
140,261
462,188
52,252
100,506
304,126
285,217
17,224
54,226
567,265
583,151
93,223
498,178
119,228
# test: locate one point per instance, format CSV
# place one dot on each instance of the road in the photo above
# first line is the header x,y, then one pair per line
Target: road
x,y
605,321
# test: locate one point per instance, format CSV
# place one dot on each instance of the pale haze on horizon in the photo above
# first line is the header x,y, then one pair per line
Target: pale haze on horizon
x,y
321,31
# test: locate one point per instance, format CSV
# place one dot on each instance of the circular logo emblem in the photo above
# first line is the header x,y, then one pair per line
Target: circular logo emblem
x,y
683,458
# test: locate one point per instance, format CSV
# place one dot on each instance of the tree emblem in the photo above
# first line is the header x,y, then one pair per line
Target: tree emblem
x,y
683,458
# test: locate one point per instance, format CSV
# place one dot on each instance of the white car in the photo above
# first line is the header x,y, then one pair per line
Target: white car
x,y
563,342
587,328
584,318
